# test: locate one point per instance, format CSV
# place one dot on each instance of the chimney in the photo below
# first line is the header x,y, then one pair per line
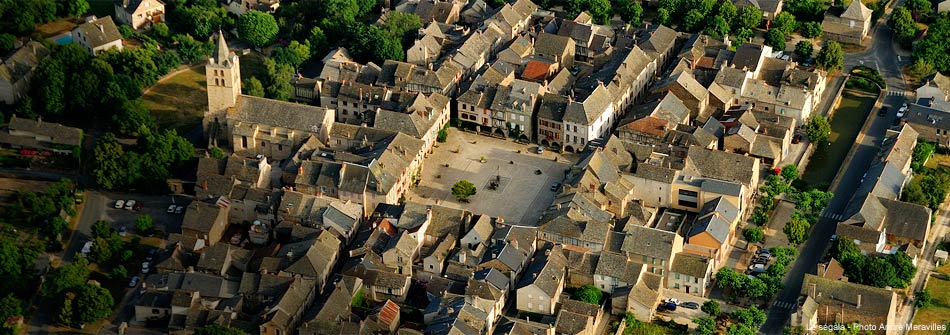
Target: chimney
x,y
859,301
300,170
101,29
814,291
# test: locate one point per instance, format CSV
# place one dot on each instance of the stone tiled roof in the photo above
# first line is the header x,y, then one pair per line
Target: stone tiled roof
x,y
100,32
844,296
690,265
649,242
57,133
22,62
720,165
616,265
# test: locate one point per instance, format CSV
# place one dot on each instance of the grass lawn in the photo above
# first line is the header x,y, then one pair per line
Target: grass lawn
x,y
845,126
939,312
180,101
936,160
56,27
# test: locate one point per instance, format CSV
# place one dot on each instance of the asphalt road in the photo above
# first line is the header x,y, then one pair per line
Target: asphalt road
x,y
882,56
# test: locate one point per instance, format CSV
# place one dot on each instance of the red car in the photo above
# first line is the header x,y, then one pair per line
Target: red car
x,y
26,152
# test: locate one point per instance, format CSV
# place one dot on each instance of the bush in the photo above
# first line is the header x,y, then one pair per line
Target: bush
x,y
868,73
810,29
589,294
922,152
923,299
711,307
463,189
818,129
753,234
443,134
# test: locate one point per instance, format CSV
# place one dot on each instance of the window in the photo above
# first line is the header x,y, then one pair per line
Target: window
x,y
676,286
472,108
244,141
686,203
263,144
345,112
676,276
344,103
688,193
644,259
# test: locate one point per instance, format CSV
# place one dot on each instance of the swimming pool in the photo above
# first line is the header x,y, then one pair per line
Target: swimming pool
x,y
63,39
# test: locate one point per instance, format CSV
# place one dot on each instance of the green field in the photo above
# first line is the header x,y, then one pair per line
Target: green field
x,y
939,312
180,101
848,120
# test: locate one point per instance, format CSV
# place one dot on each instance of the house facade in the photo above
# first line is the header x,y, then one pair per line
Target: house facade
x,y
139,13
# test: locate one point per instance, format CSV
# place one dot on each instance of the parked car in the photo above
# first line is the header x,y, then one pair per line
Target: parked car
x,y
86,248
555,186
690,305
122,231
763,251
179,209
540,149
129,204
667,306
760,260
134,282
171,209
757,268
145,266
119,204
26,152
138,206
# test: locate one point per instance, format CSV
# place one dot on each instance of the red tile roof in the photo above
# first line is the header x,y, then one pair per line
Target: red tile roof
x,y
536,70
649,125
389,312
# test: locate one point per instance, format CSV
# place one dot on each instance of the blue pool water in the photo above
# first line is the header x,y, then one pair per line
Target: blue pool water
x,y
63,39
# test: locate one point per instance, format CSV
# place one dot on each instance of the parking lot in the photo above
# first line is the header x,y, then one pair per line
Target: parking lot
x,y
155,206
685,316
522,192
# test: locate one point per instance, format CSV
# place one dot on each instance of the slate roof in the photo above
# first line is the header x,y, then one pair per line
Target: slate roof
x,y
337,305
690,265
508,255
856,10
661,40
922,117
904,219
855,232
22,62
843,296
552,107
748,55
201,216
720,165
649,242
586,112
99,32
58,134
546,271
550,44
655,173
731,78
316,260
283,114
617,265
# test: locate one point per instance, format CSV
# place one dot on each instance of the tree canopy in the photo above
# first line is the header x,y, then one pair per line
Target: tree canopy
x,y
589,294
905,29
775,38
463,189
92,303
257,28
831,57
818,129
804,49
749,18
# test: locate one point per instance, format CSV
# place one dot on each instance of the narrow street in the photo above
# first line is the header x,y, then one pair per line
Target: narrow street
x,y
882,56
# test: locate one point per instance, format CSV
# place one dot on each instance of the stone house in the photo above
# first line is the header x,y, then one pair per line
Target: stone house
x,y
541,286
849,24
690,274
139,13
97,35
16,71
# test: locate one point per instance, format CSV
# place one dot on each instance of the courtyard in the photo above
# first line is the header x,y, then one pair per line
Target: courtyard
x,y
522,193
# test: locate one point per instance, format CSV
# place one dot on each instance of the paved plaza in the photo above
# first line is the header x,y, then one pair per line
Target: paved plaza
x,y
522,193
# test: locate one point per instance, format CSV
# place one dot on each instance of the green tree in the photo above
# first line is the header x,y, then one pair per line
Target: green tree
x,y
293,54
727,10
753,234
345,10
830,58
92,303
775,39
662,16
729,278
191,49
143,223
102,229
922,152
845,250
403,26
753,287
216,329
377,45
253,87
749,18
785,22
631,11
923,299
65,315
919,7
759,216
717,28
463,189
50,91
66,277
804,49
705,325
200,21
810,29
790,172
132,116
257,28
16,264
366,6
810,203
711,307
905,29
743,35
818,129
600,11
10,306
101,251
739,330
119,272
751,317
796,229
160,31
7,42
806,10
57,225
317,41
589,294
278,86
693,21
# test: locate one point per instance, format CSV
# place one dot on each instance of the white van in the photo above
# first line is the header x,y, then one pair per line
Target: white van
x,y
86,248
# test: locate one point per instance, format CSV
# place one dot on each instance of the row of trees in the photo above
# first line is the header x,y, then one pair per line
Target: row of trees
x,y
42,209
79,301
743,321
147,164
895,270
762,286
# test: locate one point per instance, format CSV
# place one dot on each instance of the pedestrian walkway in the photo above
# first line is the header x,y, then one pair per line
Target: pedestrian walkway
x,y
785,305
897,93
834,216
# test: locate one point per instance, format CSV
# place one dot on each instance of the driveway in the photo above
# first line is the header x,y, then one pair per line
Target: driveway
x,y
880,55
